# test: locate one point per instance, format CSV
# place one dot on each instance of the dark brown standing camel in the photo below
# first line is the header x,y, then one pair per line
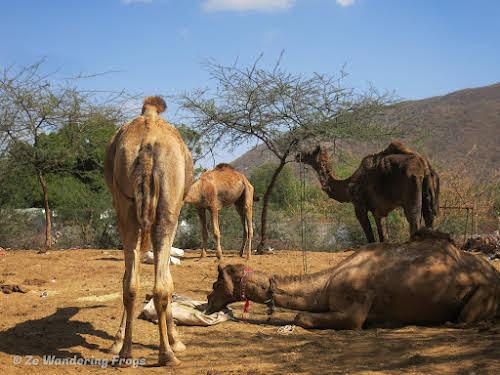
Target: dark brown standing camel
x,y
394,177
217,189
424,281
148,170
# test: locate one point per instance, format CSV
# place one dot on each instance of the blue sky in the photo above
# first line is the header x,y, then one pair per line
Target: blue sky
x,y
418,48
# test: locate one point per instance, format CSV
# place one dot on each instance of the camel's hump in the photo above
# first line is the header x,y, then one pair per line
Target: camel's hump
x,y
222,166
397,147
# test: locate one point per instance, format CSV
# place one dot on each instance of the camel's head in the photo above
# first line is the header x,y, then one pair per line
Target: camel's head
x,y
227,287
308,156
154,103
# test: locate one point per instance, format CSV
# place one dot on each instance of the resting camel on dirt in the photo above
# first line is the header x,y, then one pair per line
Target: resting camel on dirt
x,y
394,177
424,281
148,170
217,189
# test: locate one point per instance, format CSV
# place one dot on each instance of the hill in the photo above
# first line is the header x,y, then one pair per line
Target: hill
x,y
459,123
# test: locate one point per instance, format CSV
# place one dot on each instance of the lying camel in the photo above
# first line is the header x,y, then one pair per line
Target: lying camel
x,y
424,281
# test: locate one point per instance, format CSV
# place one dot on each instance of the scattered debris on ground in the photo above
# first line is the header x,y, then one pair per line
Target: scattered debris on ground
x,y
483,243
12,288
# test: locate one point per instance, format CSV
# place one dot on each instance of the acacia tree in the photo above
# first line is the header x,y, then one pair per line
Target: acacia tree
x,y
33,105
282,110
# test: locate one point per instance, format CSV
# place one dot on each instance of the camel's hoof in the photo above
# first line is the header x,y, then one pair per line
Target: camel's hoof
x,y
116,347
125,354
168,359
178,346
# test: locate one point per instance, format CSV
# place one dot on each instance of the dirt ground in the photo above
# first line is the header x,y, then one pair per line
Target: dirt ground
x,y
81,311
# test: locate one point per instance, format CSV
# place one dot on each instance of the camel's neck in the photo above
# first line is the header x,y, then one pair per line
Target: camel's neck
x,y
194,195
304,293
150,110
335,188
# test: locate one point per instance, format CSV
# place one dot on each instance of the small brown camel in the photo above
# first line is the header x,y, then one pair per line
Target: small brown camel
x,y
148,170
394,177
424,281
216,189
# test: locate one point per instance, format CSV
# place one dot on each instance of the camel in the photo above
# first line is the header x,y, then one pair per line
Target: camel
x,y
424,281
216,189
148,170
394,177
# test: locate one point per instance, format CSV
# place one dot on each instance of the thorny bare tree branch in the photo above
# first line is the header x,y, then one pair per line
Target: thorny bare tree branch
x,y
34,104
282,110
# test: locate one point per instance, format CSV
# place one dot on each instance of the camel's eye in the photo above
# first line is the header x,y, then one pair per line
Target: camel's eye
x,y
216,284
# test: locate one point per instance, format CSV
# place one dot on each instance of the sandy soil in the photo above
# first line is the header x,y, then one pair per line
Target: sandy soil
x,y
82,308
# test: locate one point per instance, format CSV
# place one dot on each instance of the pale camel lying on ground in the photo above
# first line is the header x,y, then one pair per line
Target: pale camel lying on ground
x,y
424,281
148,170
216,189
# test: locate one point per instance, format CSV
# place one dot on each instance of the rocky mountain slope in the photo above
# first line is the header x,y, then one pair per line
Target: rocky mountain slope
x,y
465,122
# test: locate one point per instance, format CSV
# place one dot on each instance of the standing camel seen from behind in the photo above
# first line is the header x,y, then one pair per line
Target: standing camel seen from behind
x,y
148,170
394,177
217,189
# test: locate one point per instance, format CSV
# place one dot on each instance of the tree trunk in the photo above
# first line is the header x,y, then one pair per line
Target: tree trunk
x,y
48,223
265,203
87,227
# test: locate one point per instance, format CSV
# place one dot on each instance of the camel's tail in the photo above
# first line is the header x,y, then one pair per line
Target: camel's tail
x,y
146,180
146,191
255,198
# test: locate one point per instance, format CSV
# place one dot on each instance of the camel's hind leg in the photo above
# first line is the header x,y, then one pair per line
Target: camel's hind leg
x,y
482,305
241,212
162,238
244,209
120,335
413,216
130,289
130,235
204,232
430,190
362,216
248,218
413,207
380,221
214,213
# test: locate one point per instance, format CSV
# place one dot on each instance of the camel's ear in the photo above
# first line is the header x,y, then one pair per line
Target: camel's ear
x,y
221,270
